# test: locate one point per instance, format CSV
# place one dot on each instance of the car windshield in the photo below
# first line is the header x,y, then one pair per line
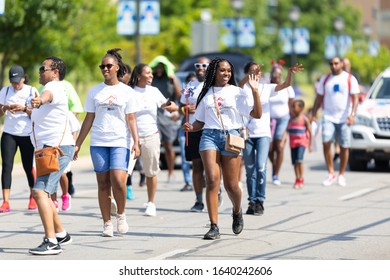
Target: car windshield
x,y
382,89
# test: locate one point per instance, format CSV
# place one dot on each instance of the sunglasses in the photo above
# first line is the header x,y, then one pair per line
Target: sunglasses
x,y
42,69
333,63
103,66
199,65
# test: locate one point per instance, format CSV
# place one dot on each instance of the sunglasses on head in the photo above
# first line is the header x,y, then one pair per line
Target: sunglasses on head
x,y
42,69
199,65
103,66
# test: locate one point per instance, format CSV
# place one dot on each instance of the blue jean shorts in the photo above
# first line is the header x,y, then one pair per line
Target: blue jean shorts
x,y
109,158
278,127
297,154
49,183
341,132
214,140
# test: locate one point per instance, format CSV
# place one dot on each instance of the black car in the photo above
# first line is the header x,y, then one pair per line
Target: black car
x,y
238,60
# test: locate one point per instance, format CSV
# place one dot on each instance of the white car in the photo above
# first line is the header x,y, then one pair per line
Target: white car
x,y
371,131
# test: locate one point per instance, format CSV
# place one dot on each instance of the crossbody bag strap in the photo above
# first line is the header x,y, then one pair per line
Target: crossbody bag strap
x,y
217,109
63,134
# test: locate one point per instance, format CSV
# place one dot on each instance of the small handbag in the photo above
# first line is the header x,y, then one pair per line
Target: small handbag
x,y
234,143
47,159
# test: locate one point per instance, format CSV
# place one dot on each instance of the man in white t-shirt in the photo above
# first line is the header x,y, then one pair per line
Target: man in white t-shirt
x,y
338,94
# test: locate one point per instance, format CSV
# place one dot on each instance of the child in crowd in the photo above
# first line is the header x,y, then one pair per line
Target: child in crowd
x,y
300,136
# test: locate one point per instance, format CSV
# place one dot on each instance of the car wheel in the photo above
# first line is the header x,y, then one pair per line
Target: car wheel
x,y
356,164
381,164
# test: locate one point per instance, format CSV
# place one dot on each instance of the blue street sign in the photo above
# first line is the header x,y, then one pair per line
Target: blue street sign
x,y
244,34
301,40
149,17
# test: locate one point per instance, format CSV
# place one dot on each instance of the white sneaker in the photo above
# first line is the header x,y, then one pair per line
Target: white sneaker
x,y
113,208
341,181
329,180
276,181
108,230
122,225
150,209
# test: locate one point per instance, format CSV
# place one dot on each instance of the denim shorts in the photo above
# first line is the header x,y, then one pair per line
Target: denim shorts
x,y
49,183
214,140
297,154
341,132
278,127
109,158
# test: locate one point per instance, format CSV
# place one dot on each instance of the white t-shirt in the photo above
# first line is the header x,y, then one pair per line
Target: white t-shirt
x,y
233,103
18,123
73,122
50,119
337,101
279,103
261,127
194,87
110,105
149,99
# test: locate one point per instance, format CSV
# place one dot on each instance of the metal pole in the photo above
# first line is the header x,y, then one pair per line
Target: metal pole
x,y
137,35
236,32
293,54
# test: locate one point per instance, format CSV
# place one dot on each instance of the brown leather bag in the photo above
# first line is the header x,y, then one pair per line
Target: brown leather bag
x,y
47,160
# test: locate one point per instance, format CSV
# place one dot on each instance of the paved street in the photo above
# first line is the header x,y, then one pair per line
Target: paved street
x,y
315,223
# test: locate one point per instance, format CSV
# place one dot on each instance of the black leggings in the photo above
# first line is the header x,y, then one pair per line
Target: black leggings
x,y
9,145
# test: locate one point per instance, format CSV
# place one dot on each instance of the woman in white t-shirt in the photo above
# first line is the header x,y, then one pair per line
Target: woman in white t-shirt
x,y
50,128
259,138
149,99
111,107
222,101
16,133
280,114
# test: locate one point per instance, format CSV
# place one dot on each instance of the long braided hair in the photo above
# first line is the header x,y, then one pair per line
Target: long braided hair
x,y
118,58
136,72
209,80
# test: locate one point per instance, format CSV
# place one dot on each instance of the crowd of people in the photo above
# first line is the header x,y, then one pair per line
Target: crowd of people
x,y
133,112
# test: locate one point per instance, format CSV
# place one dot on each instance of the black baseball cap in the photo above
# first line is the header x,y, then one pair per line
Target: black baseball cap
x,y
16,73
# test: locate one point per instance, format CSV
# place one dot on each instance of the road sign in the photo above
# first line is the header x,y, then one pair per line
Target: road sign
x,y
2,7
244,35
301,40
149,18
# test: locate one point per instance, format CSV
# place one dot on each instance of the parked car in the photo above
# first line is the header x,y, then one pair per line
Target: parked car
x,y
371,131
187,66
237,59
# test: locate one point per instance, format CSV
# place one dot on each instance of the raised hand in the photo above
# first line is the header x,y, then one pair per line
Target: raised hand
x,y
296,68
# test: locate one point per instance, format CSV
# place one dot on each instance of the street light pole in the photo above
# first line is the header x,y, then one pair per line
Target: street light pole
x,y
294,16
367,34
339,26
137,34
237,6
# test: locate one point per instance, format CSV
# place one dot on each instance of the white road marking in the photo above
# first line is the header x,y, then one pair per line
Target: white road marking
x,y
169,254
356,194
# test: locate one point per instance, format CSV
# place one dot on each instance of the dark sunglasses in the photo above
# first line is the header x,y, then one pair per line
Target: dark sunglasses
x,y
333,63
42,69
199,65
109,66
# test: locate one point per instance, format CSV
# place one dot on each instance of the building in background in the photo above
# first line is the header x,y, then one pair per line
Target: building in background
x,y
375,14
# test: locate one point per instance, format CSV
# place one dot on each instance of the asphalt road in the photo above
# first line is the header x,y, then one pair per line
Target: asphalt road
x,y
314,223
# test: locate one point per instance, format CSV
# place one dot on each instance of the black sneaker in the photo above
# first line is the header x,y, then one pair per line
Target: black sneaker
x,y
46,248
238,222
64,240
251,209
198,207
213,233
259,208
